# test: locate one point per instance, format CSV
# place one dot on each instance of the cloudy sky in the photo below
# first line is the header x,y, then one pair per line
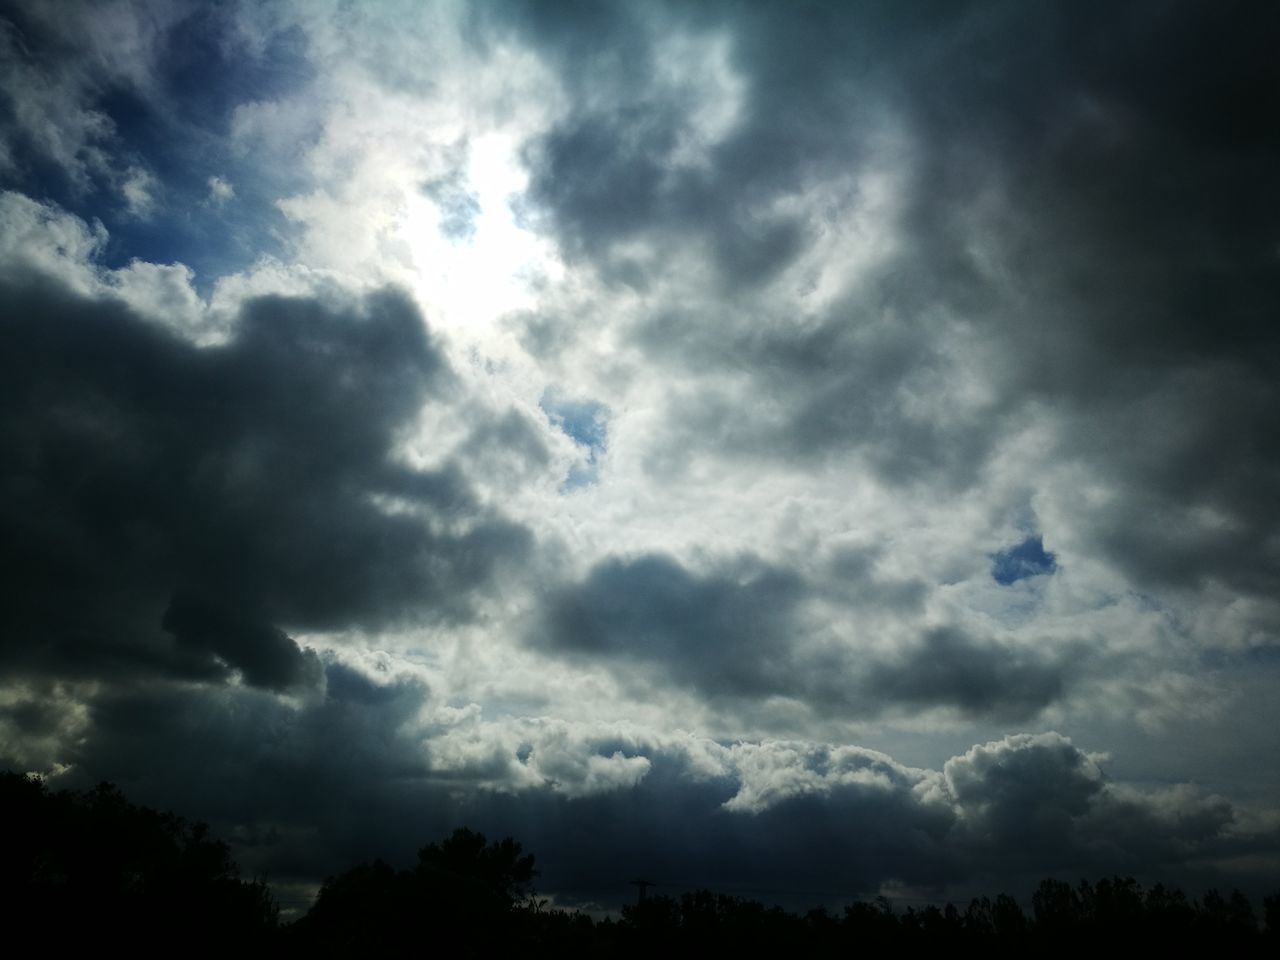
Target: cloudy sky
x,y
770,446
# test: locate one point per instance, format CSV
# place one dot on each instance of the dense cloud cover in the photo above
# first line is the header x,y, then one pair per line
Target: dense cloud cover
x,y
812,447
214,494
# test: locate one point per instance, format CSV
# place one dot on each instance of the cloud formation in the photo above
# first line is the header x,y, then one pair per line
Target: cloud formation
x,y
832,821
741,633
1020,254
175,508
758,444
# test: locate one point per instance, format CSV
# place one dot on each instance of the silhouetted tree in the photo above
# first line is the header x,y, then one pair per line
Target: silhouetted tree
x,y
120,872
97,870
475,892
1056,908
1226,921
1271,912
465,867
1169,915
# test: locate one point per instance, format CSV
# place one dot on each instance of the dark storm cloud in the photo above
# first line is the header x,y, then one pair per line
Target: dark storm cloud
x,y
978,679
264,654
606,178
1087,189
307,790
724,633
609,174
819,86
1032,800
312,789
174,508
1140,232
808,848
738,633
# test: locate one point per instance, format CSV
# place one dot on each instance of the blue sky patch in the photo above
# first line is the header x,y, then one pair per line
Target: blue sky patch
x,y
170,137
586,423
1026,559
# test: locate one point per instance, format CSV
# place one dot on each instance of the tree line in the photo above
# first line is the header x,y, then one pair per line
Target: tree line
x,y
87,868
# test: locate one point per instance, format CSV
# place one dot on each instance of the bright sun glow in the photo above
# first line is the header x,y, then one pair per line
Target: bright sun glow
x,y
468,281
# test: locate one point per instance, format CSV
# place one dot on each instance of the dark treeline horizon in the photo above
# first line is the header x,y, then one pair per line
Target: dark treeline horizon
x,y
93,868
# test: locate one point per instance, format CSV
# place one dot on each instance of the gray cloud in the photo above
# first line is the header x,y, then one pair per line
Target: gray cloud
x,y
978,679
613,174
223,494
725,633
864,378
1085,234
739,633
1030,800
355,772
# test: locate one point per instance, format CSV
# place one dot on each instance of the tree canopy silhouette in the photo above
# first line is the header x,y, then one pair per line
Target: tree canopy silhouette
x,y
464,887
94,868
120,871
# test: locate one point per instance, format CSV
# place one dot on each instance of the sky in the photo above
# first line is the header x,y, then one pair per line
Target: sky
x,y
797,449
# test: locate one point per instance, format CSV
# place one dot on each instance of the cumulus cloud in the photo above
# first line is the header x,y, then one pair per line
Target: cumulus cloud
x,y
741,632
219,494
1033,799
949,667
48,114
1033,262
139,193
725,633
835,821
220,190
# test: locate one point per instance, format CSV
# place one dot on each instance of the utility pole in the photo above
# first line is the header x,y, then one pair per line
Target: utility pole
x,y
643,885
